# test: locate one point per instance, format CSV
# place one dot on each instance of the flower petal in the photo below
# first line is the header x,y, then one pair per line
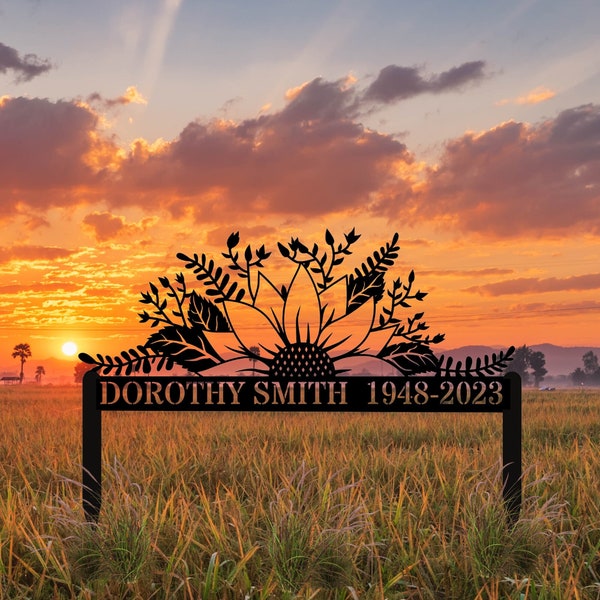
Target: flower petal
x,y
225,343
268,300
349,332
376,341
251,326
302,311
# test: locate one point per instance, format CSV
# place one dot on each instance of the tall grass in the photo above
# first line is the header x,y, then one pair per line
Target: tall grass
x,y
340,506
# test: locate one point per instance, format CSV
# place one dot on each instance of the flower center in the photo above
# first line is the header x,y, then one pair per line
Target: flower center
x,y
302,361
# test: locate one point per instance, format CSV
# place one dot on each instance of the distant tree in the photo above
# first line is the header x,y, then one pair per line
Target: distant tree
x,y
22,352
590,374
578,377
38,374
80,370
537,362
527,363
590,363
519,364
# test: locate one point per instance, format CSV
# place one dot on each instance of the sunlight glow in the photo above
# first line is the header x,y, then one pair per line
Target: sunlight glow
x,y
69,348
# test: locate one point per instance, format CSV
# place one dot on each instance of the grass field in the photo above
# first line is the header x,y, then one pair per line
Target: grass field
x,y
251,506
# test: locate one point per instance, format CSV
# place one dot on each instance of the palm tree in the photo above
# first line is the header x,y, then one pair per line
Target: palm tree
x,y
38,374
22,352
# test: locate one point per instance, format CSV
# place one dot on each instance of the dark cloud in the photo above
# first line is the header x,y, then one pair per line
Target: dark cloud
x,y
320,100
104,225
521,179
25,67
310,158
458,77
575,126
396,83
524,285
50,153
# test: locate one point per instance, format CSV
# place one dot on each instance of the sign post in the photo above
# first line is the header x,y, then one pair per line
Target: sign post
x,y
351,394
512,470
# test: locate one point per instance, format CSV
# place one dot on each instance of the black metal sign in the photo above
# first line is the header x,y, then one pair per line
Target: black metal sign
x,y
352,394
311,331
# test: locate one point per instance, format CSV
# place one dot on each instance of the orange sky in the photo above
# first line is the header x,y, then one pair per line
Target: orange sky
x,y
499,220
84,236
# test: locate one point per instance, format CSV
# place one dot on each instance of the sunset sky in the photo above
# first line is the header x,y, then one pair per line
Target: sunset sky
x,y
133,130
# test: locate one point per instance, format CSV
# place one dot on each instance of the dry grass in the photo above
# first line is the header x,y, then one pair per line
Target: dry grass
x,y
250,506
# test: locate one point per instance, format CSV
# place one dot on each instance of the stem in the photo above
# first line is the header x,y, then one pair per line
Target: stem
x,y
179,303
165,320
247,271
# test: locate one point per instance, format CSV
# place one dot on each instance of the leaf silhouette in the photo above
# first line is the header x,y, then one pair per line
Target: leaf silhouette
x,y
361,288
368,281
185,347
489,366
320,264
130,361
205,315
213,278
410,358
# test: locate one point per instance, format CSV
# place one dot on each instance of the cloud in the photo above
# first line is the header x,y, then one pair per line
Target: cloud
x,y
311,158
535,96
555,309
414,242
25,67
30,253
131,96
467,272
524,285
520,179
51,153
40,287
319,100
104,226
31,220
396,83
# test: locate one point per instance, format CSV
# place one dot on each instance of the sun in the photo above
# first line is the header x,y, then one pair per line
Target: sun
x,y
69,348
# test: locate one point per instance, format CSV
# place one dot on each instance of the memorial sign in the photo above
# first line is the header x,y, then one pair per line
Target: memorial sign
x,y
293,347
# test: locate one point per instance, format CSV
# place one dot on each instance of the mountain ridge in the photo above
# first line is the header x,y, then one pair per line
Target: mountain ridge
x,y
560,361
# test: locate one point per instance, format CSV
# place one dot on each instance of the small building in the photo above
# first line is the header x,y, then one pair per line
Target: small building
x,y
10,380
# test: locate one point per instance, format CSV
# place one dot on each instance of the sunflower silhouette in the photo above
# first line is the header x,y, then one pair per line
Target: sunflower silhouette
x,y
307,334
309,329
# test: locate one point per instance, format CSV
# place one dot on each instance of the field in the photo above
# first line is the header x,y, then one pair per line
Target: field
x,y
251,506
